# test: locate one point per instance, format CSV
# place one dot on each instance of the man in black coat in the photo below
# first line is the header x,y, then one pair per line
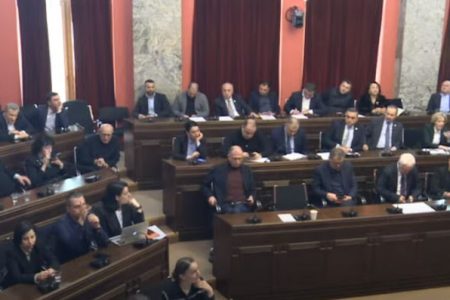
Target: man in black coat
x,y
264,101
399,182
13,126
385,133
52,116
338,99
190,146
11,182
230,104
440,101
289,138
306,102
440,182
152,104
251,141
345,134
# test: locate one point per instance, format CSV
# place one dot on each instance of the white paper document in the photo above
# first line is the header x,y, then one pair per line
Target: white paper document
x,y
197,119
414,208
286,218
300,116
361,116
267,117
158,233
436,151
324,155
225,118
293,156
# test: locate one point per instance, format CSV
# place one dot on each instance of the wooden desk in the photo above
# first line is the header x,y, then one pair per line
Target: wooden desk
x,y
129,270
185,207
332,257
13,155
146,143
41,211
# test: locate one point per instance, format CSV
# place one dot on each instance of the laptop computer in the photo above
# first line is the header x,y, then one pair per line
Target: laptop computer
x,y
130,234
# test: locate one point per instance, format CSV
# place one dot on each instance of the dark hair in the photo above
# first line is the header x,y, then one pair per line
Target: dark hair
x,y
73,195
310,87
149,81
246,120
189,124
264,83
374,82
40,142
112,190
191,83
20,230
346,80
337,153
50,96
352,110
182,265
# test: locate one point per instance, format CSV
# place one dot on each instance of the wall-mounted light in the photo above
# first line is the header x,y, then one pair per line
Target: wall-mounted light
x,y
295,16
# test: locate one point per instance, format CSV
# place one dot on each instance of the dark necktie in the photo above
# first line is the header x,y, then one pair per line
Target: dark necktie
x,y
403,187
288,145
387,136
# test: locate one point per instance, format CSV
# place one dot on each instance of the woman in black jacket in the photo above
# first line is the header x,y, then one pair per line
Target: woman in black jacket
x,y
372,102
118,209
435,134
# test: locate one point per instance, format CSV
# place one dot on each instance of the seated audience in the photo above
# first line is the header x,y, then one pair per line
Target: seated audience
x,y
186,282
78,231
230,104
191,103
399,182
118,209
372,102
264,101
11,182
191,145
251,141
440,101
435,134
52,116
306,102
13,126
152,104
385,133
338,99
29,261
99,151
44,165
231,186
334,180
289,138
346,134
440,182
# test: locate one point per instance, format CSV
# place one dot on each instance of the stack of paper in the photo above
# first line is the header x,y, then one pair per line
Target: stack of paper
x,y
300,116
415,208
293,156
155,233
324,155
197,119
286,218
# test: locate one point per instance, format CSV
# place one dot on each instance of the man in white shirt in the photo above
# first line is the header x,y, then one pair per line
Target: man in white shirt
x,y
231,104
53,118
13,126
306,102
440,101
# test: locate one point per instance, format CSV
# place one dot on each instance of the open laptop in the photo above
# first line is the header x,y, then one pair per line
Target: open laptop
x,y
130,234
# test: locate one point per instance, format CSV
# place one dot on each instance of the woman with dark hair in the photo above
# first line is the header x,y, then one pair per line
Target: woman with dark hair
x,y
372,102
187,283
44,165
28,261
118,209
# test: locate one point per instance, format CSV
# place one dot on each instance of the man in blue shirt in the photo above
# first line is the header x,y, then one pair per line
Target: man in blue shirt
x,y
440,101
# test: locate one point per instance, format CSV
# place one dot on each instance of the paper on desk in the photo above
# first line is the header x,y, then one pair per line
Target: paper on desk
x,y
293,156
435,151
225,118
300,116
361,116
155,233
286,218
324,155
267,117
197,119
414,208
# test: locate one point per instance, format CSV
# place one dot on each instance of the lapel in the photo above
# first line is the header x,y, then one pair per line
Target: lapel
x,y
184,101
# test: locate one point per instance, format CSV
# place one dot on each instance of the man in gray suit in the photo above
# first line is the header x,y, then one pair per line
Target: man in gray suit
x,y
385,133
191,103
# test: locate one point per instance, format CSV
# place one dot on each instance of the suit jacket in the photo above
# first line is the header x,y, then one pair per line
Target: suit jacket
x,y
434,104
21,124
215,183
258,143
162,106
273,97
387,183
365,105
373,132
61,119
279,141
22,271
8,184
334,136
180,148
428,133
109,222
38,178
241,107
93,148
321,184
201,105
335,102
440,183
295,102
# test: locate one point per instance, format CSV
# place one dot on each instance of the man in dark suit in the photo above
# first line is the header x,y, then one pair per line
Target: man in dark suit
x,y
191,103
152,104
440,182
11,182
13,126
338,99
306,102
289,138
231,185
345,134
334,180
52,116
99,151
264,101
440,101
78,230
385,133
399,182
230,104
190,146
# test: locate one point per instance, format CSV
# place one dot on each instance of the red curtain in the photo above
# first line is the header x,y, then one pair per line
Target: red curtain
x,y
444,70
93,52
342,42
36,75
235,41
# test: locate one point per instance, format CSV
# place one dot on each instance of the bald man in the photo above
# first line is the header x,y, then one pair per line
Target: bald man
x,y
99,151
289,138
231,185
440,101
399,182
231,104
